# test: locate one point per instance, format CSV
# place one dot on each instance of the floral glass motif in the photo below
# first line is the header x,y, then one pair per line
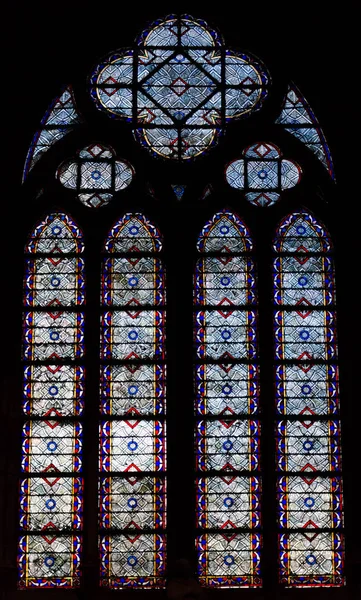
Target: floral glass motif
x,y
298,118
311,544
61,117
227,433
95,174
263,173
179,86
51,490
132,510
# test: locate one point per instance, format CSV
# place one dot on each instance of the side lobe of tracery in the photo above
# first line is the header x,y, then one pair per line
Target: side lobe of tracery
x,y
60,119
298,118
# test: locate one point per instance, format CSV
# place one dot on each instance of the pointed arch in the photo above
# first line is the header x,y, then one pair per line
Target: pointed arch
x,y
60,118
132,429
309,487
298,118
51,490
227,433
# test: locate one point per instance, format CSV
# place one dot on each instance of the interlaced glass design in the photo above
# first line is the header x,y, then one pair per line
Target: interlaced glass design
x,y
132,483
309,484
228,479
51,490
178,87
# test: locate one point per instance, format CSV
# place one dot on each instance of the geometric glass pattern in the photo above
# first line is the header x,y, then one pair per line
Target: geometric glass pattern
x,y
228,483
178,87
95,174
263,174
298,118
132,462
309,482
51,490
61,117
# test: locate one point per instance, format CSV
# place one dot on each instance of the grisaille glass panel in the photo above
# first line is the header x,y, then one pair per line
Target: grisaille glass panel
x,y
263,170
298,118
51,492
132,463
95,174
188,86
228,479
311,547
60,119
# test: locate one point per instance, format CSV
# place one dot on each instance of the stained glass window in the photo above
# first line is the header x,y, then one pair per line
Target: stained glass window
x,y
263,173
298,118
244,520
227,423
51,490
132,430
95,174
179,86
60,118
309,488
